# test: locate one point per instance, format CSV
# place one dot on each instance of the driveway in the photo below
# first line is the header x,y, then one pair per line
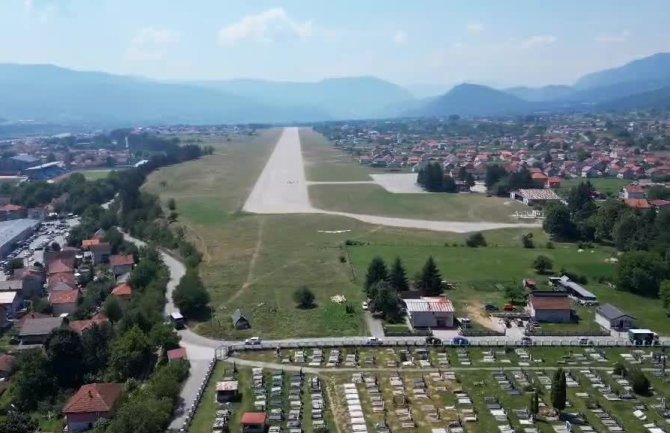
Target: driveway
x,y
375,326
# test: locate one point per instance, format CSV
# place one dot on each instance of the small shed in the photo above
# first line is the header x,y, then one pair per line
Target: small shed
x,y
254,422
610,317
239,320
227,390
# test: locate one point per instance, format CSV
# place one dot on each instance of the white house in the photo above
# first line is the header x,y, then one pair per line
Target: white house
x,y
610,317
430,312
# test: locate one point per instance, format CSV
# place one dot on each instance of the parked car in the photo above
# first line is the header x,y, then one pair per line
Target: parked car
x,y
253,341
460,341
490,307
373,341
433,341
526,341
365,306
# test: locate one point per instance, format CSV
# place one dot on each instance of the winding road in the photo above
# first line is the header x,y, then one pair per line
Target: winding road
x,y
282,189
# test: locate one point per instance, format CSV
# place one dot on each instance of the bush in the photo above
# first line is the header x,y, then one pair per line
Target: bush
x,y
620,369
475,240
542,264
639,382
527,240
550,245
304,297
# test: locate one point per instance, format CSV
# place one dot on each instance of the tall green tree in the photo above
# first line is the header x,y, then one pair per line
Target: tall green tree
x,y
131,355
304,297
386,301
190,295
534,407
494,173
558,390
112,309
664,294
558,223
641,272
65,357
580,201
398,276
430,283
377,271
95,346
34,381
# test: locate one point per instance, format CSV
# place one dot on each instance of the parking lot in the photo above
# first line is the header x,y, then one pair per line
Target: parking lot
x,y
32,249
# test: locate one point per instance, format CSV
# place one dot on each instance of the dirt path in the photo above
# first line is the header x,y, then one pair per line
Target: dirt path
x,y
476,312
252,262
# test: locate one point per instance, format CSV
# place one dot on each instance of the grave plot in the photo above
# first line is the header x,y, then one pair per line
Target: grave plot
x,y
355,418
492,356
317,406
463,357
441,358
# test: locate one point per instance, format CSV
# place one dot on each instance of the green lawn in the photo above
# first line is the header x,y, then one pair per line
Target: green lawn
x,y
255,262
610,186
95,174
375,200
326,163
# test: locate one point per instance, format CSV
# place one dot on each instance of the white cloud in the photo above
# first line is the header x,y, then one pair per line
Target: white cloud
x,y
538,40
400,37
474,28
264,27
152,44
613,38
45,9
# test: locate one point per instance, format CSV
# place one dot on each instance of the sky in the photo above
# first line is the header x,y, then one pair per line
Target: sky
x,y
413,43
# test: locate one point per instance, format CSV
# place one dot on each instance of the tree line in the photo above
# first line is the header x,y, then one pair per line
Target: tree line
x,y
383,285
641,235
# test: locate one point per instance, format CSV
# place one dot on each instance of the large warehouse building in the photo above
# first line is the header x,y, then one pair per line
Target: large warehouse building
x,y
14,231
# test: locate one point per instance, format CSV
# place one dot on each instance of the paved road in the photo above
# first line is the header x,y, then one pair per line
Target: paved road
x,y
200,350
282,189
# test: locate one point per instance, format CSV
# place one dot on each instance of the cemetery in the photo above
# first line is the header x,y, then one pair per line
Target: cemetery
x,y
442,390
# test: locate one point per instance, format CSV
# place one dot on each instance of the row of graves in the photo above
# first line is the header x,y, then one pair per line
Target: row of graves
x,y
278,402
413,401
335,358
589,356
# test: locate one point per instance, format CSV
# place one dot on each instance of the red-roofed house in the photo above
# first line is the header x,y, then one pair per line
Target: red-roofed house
x,y
633,192
91,403
87,243
638,203
123,292
176,354
430,312
553,307
12,212
553,182
64,301
81,326
121,264
59,266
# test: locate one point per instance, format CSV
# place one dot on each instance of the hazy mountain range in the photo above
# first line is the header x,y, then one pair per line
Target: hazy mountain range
x,y
47,93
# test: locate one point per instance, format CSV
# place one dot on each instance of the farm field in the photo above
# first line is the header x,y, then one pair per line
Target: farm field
x,y
374,200
255,262
418,390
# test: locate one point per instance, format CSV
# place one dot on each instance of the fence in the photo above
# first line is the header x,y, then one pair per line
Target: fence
x,y
190,412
